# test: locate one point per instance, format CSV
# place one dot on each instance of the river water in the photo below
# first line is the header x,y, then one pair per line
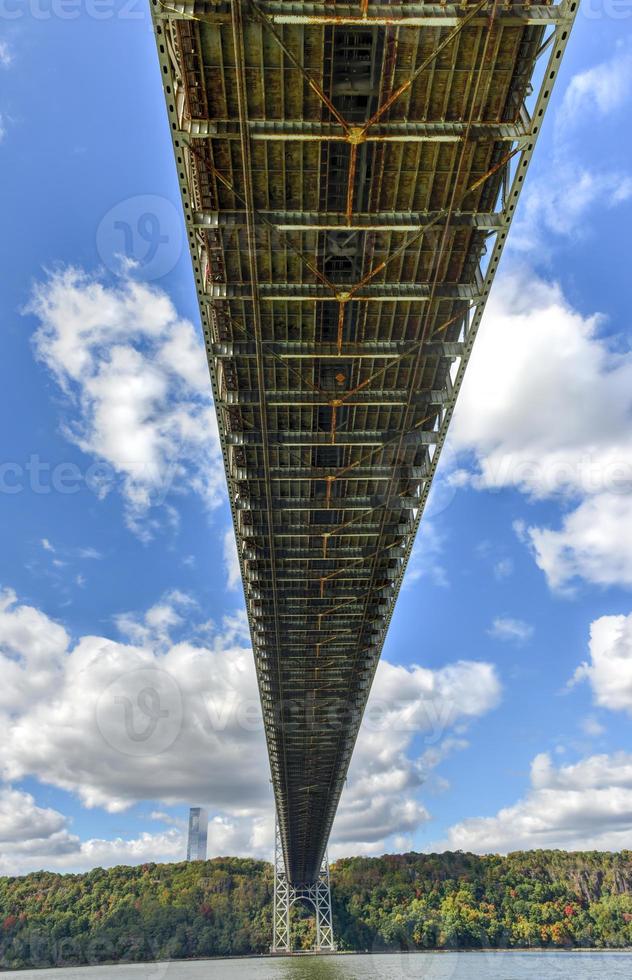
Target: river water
x,y
415,966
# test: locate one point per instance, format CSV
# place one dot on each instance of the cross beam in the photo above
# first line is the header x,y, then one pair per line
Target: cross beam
x,y
321,132
372,396
377,292
291,350
313,438
411,15
387,221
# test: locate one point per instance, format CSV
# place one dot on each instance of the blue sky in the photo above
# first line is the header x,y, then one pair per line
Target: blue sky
x,y
500,716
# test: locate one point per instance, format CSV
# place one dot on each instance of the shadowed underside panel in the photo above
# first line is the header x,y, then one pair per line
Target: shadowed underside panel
x,y
349,172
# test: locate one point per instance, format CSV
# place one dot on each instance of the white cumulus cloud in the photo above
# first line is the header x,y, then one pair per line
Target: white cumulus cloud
x,y
136,385
21,819
32,838
583,183
609,670
561,207
380,799
546,407
164,718
600,90
507,628
584,806
593,543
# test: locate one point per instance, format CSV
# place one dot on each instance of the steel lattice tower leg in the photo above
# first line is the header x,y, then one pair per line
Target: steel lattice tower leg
x,y
281,910
322,904
285,895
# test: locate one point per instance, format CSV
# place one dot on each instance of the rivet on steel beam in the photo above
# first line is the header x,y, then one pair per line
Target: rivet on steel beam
x,y
356,135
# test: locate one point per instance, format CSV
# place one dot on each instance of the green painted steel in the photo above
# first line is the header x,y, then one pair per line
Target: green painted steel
x,y
349,172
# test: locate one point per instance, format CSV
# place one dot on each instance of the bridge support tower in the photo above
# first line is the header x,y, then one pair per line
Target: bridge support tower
x,y
318,895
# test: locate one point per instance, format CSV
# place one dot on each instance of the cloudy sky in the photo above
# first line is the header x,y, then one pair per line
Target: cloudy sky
x,y
500,716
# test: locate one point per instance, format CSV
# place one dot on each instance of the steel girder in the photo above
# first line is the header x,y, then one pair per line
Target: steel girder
x,y
306,221
412,15
309,292
296,130
339,328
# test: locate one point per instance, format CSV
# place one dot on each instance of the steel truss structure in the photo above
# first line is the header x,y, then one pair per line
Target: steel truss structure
x,y
349,172
317,895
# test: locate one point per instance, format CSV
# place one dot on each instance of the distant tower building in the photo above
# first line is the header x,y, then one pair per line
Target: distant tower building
x,y
198,829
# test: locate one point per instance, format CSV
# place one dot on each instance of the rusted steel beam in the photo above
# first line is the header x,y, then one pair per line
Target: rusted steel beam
x,y
380,292
388,221
388,397
289,12
311,438
302,349
316,503
315,132
314,474
468,17
410,15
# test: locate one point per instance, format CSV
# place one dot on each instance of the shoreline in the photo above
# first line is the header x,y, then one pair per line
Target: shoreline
x,y
497,951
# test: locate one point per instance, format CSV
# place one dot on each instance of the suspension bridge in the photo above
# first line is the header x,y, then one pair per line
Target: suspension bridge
x,y
349,172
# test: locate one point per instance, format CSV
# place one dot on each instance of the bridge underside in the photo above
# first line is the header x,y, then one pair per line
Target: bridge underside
x,y
349,172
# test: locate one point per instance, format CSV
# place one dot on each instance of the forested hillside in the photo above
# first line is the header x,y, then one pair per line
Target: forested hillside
x,y
411,901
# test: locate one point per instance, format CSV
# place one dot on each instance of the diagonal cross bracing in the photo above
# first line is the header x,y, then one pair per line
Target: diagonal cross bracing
x,y
349,172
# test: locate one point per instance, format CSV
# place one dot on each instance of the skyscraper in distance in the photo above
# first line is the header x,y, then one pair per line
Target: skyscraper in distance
x,y
198,829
